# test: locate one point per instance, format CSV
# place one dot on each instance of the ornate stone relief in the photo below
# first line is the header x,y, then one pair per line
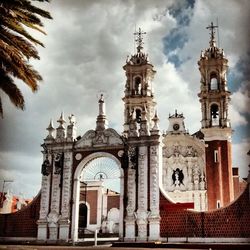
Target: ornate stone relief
x,y
66,185
142,179
52,219
59,158
154,182
46,167
44,197
131,192
184,169
92,138
132,157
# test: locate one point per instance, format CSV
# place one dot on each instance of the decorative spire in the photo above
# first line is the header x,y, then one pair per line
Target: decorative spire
x,y
61,121
138,39
60,131
101,105
101,121
50,129
212,27
72,119
155,129
71,128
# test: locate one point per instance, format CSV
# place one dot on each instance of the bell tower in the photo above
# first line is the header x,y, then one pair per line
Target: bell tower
x,y
142,215
139,94
214,98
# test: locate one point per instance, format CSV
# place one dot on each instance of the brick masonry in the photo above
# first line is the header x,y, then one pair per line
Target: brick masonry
x,y
219,174
232,221
21,223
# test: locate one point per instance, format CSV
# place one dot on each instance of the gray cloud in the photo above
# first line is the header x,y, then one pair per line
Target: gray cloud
x,y
86,47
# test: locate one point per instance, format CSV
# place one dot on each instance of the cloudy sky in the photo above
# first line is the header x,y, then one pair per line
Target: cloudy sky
x,y
87,44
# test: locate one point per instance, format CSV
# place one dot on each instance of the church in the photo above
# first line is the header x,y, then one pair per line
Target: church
x,y
144,185
195,170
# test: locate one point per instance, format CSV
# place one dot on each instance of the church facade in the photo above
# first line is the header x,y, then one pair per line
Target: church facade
x,y
193,170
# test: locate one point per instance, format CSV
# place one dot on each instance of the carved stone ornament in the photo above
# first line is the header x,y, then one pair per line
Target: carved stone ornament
x,y
53,218
132,154
120,153
78,156
183,170
59,158
46,167
131,192
92,138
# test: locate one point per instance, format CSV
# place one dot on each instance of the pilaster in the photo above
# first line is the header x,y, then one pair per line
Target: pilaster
x,y
42,229
65,202
142,211
45,197
154,217
131,196
54,214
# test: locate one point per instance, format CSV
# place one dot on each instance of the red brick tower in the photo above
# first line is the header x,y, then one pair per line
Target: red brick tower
x,y
214,98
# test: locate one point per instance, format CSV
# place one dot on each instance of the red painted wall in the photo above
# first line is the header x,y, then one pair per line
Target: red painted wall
x,y
92,197
219,174
21,223
113,201
232,221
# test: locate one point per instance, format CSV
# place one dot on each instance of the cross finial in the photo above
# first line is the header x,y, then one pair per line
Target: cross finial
x,y
212,27
138,39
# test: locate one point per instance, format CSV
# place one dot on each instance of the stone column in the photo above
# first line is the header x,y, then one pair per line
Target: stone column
x,y
203,201
131,189
44,205
75,209
64,222
142,211
154,217
54,216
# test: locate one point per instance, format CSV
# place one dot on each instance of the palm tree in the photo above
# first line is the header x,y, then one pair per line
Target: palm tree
x,y
17,46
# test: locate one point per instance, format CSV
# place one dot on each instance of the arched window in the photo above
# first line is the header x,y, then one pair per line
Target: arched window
x,y
213,81
138,115
215,115
137,85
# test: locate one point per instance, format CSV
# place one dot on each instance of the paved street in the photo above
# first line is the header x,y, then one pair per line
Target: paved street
x,y
16,247
108,247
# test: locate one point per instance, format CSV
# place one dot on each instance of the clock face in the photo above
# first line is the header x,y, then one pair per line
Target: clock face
x,y
176,126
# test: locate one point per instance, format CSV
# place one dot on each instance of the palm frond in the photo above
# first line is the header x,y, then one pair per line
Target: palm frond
x,y
27,49
13,63
17,46
9,87
1,108
17,27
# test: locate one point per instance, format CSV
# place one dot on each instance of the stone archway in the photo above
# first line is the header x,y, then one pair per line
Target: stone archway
x,y
76,191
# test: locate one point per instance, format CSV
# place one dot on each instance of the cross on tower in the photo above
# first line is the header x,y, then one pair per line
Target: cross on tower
x,y
139,37
212,27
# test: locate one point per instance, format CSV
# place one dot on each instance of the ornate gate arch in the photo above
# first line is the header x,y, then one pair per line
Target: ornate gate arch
x,y
76,189
65,156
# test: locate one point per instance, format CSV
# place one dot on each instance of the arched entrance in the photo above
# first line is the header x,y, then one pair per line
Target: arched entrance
x,y
83,218
83,215
98,171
